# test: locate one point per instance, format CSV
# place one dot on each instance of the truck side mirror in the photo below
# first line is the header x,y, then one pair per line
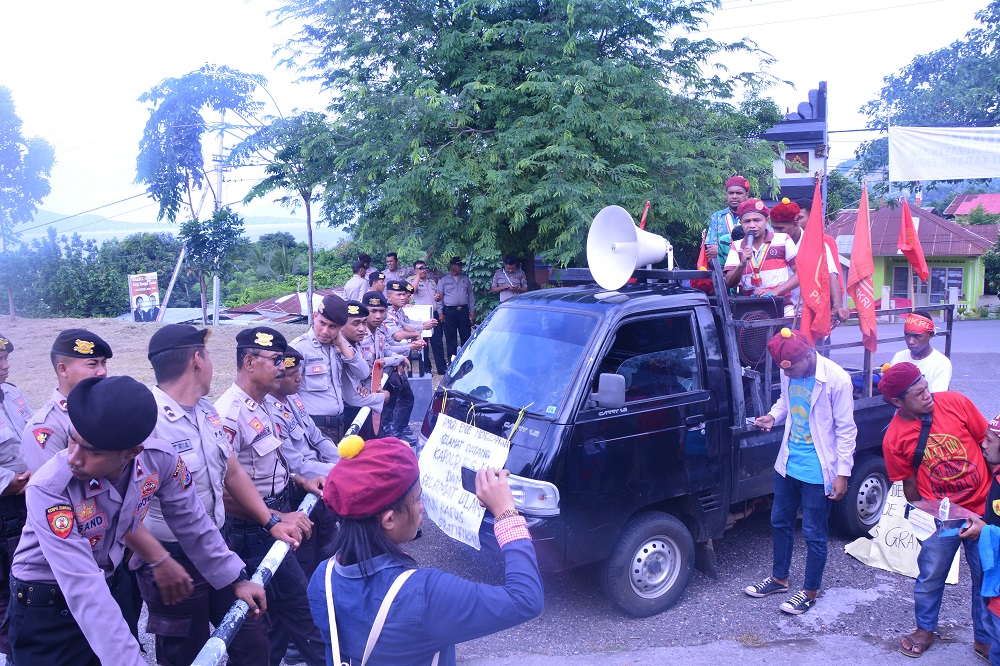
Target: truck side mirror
x,y
610,391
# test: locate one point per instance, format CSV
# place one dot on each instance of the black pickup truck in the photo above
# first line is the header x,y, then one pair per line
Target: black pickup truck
x,y
636,447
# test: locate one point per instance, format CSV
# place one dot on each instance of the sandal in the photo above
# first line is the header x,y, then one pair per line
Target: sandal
x,y
982,654
915,649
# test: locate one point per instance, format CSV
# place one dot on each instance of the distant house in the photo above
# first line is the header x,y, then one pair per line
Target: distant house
x,y
966,203
287,309
954,254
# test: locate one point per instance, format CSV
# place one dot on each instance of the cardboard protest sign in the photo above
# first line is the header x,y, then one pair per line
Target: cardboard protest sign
x,y
893,545
451,446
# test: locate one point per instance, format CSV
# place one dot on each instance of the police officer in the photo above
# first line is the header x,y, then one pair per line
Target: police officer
x,y
425,293
358,282
376,282
14,474
327,355
509,280
378,346
393,271
76,354
260,362
361,393
193,427
82,508
458,304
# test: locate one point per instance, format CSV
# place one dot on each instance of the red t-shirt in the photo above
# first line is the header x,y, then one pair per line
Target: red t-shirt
x,y
953,464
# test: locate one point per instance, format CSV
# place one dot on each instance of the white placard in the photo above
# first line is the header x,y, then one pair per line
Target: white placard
x,y
451,446
418,314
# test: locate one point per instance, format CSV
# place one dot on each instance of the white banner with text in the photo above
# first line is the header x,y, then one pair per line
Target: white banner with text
x,y
943,153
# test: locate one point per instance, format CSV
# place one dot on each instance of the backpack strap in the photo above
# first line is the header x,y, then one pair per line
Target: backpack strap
x,y
925,431
334,638
383,612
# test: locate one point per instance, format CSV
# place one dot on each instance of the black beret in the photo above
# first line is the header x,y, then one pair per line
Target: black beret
x,y
375,277
177,336
510,259
293,358
80,343
357,266
364,258
456,260
5,344
399,285
355,309
375,299
333,308
112,413
261,337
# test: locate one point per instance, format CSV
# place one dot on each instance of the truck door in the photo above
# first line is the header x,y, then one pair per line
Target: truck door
x,y
653,448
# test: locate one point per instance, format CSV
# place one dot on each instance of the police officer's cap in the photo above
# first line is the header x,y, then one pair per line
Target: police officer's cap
x,y
375,277
399,285
112,413
5,344
333,308
375,299
262,338
177,336
356,309
293,358
80,343
456,260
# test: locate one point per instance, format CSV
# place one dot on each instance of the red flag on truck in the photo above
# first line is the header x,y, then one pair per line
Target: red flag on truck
x,y
814,273
909,244
860,283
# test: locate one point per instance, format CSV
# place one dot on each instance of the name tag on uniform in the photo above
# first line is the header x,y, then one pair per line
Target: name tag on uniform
x,y
183,446
265,445
317,369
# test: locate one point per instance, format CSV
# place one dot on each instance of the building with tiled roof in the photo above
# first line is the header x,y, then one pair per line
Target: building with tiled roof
x,y
966,203
954,254
289,308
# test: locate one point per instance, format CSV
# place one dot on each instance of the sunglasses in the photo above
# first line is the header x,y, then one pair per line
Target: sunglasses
x,y
277,360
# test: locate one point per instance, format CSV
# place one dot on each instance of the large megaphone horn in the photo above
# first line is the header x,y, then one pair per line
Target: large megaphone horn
x,y
616,247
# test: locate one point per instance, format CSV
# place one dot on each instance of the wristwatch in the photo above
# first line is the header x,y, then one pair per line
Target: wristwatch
x,y
243,576
275,519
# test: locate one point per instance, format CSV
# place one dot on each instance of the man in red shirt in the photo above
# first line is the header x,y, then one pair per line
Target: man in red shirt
x,y
951,465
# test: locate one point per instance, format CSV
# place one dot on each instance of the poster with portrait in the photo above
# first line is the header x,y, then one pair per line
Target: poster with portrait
x,y
144,297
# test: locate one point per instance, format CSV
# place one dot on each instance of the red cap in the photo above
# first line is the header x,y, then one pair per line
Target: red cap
x,y
785,211
372,480
788,347
897,379
739,181
752,206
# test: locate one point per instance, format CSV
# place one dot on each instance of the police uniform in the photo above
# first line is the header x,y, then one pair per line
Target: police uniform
x,y
516,279
47,432
322,390
66,576
357,284
257,441
379,344
197,436
352,386
423,294
457,301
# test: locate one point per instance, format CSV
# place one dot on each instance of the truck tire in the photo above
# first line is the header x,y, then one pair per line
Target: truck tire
x,y
650,565
867,491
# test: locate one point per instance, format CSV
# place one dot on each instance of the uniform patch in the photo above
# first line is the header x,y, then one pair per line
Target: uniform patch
x,y
84,347
84,510
169,411
94,484
287,415
41,436
22,407
186,479
150,485
215,420
230,433
142,506
60,519
257,425
996,506
98,522
251,403
263,339
277,426
94,539
62,404
316,370
182,445
179,469
139,471
298,403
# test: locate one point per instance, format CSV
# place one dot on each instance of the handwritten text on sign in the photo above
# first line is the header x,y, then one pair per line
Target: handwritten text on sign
x,y
451,446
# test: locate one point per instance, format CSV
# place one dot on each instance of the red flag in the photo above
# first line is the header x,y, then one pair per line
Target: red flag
x,y
702,262
859,279
909,244
814,273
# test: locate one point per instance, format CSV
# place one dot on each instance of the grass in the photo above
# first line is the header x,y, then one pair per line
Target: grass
x,y
31,371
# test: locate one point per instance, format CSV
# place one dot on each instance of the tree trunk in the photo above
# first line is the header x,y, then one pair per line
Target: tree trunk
x,y
309,242
204,298
529,270
10,290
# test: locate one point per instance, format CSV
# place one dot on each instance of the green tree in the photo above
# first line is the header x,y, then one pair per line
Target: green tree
x,y
504,127
212,248
955,85
25,165
300,155
841,192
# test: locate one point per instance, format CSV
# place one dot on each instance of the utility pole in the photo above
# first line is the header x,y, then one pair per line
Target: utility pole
x,y
220,172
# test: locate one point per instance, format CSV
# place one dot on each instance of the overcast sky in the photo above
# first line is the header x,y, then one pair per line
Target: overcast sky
x,y
75,70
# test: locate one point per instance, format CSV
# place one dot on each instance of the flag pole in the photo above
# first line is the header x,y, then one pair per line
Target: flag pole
x,y
909,283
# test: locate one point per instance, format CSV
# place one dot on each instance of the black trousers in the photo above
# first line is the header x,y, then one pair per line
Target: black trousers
x,y
396,413
319,546
367,430
436,347
47,635
456,323
287,606
12,516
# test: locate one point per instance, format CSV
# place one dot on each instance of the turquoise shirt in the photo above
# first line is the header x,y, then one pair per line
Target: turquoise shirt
x,y
803,462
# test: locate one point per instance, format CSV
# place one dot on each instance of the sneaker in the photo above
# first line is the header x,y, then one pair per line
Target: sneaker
x,y
798,604
765,587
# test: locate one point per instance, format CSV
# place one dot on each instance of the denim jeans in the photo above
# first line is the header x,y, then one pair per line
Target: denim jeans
x,y
994,627
934,561
789,494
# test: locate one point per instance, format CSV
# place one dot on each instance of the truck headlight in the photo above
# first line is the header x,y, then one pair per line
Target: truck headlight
x,y
535,498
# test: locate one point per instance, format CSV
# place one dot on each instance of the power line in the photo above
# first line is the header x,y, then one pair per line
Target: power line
x,y
68,217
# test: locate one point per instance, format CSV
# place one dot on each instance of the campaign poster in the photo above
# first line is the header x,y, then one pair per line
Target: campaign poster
x,y
144,296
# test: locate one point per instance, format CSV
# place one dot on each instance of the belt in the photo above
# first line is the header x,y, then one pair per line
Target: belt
x,y
328,421
44,595
460,308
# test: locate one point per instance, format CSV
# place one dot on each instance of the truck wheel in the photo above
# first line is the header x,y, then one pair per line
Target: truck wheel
x,y
867,491
650,566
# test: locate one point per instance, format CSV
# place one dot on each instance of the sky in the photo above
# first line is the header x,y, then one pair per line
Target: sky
x,y
76,71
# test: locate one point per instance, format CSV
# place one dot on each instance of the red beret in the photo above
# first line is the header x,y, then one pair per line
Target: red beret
x,y
752,206
785,211
897,379
372,480
739,181
788,347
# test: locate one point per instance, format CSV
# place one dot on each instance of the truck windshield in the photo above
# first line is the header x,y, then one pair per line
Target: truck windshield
x,y
522,357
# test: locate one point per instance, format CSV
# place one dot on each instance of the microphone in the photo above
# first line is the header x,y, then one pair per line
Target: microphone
x,y
750,240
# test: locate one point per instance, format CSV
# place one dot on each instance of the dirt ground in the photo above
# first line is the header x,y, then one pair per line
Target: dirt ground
x,y
31,371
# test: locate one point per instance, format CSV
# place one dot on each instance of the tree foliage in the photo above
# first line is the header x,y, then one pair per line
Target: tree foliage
x,y
953,86
504,127
213,246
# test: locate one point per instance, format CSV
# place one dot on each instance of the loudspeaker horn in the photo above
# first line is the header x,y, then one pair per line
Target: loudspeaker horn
x,y
616,247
